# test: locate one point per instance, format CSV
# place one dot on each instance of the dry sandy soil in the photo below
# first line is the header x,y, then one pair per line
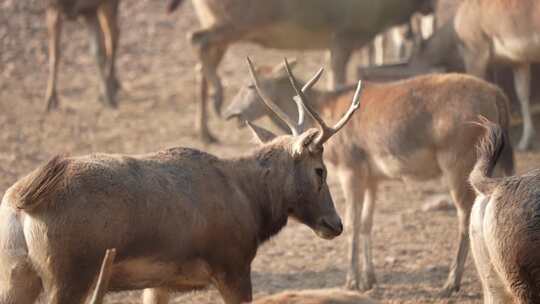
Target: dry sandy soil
x,y
412,248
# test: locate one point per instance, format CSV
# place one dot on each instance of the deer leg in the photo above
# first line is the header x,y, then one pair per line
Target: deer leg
x,y
353,199
338,56
97,48
493,289
54,27
463,197
210,56
110,31
366,224
235,288
155,296
19,283
211,45
68,289
522,83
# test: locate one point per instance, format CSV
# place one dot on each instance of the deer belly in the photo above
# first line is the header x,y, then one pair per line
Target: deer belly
x,y
139,273
418,165
288,35
518,49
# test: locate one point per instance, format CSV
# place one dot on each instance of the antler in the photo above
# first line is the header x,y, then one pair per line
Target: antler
x,y
269,103
104,276
325,131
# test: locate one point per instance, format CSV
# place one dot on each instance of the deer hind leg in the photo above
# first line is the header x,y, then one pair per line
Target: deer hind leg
x,y
210,49
19,282
155,296
67,281
522,83
338,56
108,35
494,290
463,197
210,45
355,196
54,27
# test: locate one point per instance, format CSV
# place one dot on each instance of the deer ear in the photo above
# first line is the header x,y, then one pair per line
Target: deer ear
x,y
279,71
303,141
260,134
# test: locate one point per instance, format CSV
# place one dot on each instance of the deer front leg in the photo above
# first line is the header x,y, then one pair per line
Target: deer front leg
x,y
355,194
235,288
54,27
155,296
368,274
522,83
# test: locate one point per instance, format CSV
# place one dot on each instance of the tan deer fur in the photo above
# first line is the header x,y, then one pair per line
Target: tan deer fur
x,y
100,17
414,129
340,26
505,226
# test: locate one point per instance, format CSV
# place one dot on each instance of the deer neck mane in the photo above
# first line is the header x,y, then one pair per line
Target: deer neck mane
x,y
261,176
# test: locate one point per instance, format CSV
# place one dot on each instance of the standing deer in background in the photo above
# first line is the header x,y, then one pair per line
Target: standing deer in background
x,y
414,129
341,26
504,228
100,17
484,32
180,219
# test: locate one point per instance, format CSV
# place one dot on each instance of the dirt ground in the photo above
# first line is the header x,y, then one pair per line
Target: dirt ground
x,y
412,248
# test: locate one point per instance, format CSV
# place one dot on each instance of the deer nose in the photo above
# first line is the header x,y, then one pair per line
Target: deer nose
x,y
332,223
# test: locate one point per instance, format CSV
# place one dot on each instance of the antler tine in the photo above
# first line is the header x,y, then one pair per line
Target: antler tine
x,y
302,98
103,277
305,88
269,103
313,80
355,105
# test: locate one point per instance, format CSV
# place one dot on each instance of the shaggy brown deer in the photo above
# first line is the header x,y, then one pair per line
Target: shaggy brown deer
x,y
505,224
180,219
410,130
318,296
341,26
100,17
484,32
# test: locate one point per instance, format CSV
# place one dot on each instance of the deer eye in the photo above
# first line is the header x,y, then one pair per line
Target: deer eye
x,y
251,86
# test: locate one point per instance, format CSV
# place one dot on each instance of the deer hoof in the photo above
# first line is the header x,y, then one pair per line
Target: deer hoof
x,y
448,290
351,284
368,281
52,103
109,96
207,138
524,144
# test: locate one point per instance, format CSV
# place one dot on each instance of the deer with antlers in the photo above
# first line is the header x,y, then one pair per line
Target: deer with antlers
x,y
100,17
416,129
180,219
